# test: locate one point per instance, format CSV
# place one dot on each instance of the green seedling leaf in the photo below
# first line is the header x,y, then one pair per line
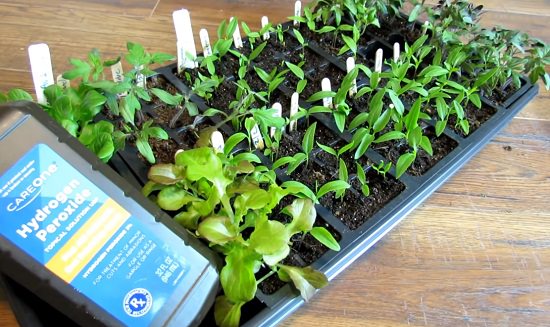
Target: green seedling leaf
x,y
396,102
332,186
303,215
322,235
227,314
309,138
321,95
392,135
306,280
173,198
359,120
327,149
257,51
295,70
217,229
366,141
415,12
297,188
145,149
426,145
433,71
237,276
440,127
172,100
269,237
165,174
232,141
404,162
18,94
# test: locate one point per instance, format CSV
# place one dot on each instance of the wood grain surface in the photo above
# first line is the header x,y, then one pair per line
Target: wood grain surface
x,y
476,253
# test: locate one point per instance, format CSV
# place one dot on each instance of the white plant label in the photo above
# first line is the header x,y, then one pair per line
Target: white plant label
x,y
293,111
350,65
205,42
63,82
187,53
279,113
396,51
265,21
117,72
41,67
237,40
325,86
378,60
216,139
256,136
297,11
140,78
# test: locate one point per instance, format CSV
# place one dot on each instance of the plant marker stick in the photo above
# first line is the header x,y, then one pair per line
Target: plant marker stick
x,y
140,78
325,86
350,65
118,75
187,53
256,136
293,111
216,139
425,27
117,72
237,40
63,82
378,60
205,42
265,21
41,67
297,11
396,51
279,113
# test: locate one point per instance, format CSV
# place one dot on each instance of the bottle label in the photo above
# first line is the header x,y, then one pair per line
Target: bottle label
x,y
64,221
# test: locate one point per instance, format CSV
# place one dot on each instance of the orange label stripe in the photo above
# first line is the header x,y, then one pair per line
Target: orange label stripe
x,y
88,241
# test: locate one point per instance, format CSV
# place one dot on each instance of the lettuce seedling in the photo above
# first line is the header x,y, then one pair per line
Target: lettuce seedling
x,y
218,195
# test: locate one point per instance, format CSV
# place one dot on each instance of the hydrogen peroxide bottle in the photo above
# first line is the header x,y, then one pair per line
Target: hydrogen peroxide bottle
x,y
76,234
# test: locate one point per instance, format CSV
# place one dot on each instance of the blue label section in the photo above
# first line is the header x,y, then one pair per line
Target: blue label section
x,y
65,222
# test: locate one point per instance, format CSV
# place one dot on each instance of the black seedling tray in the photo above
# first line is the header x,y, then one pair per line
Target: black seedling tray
x,y
269,309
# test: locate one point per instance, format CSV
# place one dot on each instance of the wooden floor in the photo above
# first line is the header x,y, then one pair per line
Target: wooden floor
x,y
476,253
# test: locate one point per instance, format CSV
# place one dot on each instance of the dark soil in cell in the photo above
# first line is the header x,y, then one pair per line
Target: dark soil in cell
x,y
441,146
476,117
164,150
222,97
287,147
164,114
313,175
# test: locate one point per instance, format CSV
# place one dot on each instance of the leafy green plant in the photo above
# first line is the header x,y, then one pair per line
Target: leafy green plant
x,y
15,95
90,70
382,168
75,110
272,79
362,178
218,196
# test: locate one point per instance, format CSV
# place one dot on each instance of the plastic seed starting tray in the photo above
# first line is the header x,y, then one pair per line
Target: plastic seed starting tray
x,y
354,238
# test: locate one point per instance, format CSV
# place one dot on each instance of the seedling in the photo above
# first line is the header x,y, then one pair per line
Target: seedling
x,y
362,178
382,168
299,73
179,102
